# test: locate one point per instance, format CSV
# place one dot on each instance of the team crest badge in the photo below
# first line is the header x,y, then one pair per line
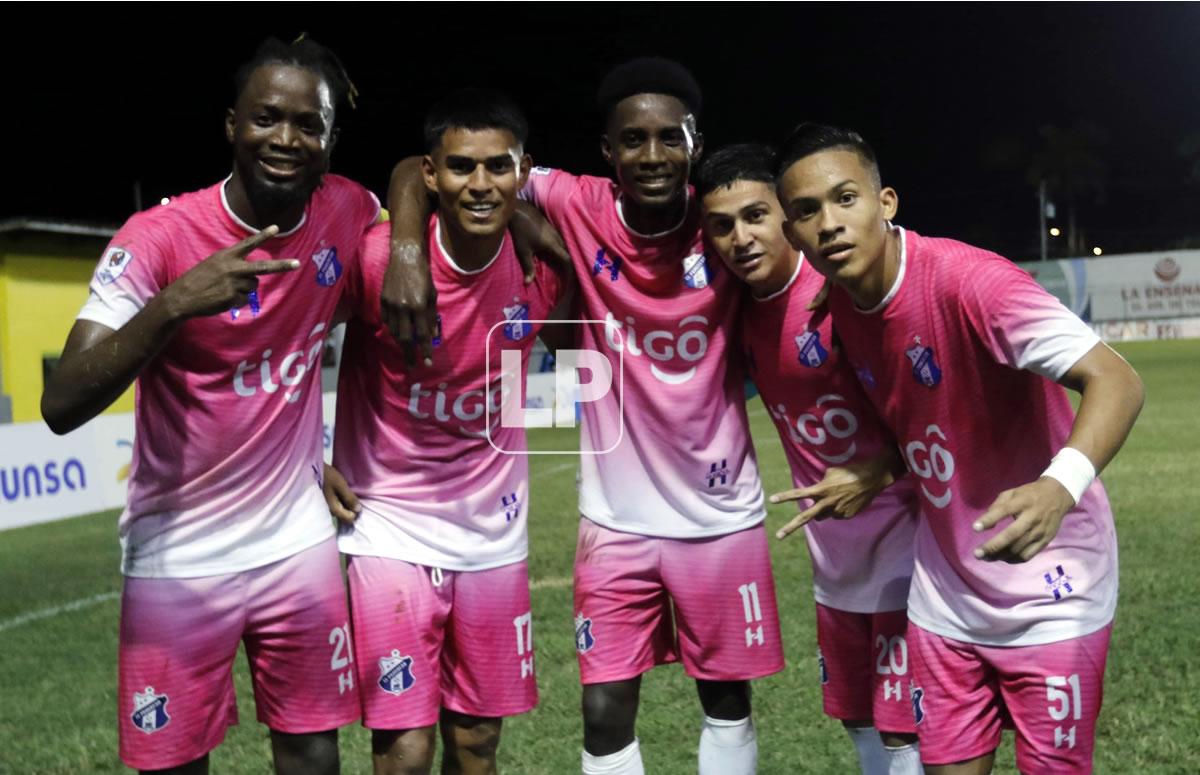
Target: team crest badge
x,y
518,326
812,354
395,673
113,264
918,703
610,265
924,368
584,640
696,274
821,665
329,269
150,711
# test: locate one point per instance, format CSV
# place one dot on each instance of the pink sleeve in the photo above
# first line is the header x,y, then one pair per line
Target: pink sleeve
x,y
364,279
549,285
370,207
131,271
549,190
1020,323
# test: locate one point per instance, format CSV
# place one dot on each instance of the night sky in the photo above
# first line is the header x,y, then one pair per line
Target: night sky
x,y
951,96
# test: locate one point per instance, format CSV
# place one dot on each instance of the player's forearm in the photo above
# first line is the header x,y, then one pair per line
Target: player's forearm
x,y
408,204
90,376
1112,396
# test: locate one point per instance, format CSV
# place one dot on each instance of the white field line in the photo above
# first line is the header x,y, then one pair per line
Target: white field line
x,y
46,613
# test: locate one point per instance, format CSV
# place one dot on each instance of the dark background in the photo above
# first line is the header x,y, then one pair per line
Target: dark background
x,y
956,99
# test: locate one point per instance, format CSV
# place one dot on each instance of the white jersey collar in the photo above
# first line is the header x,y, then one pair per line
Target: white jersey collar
x,y
437,231
784,289
891,294
248,227
687,196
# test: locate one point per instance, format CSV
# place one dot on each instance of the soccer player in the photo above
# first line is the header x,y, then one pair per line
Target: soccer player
x,y
218,304
672,562
829,429
438,575
672,515
960,350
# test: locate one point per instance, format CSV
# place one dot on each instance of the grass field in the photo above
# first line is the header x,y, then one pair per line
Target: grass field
x,y
58,629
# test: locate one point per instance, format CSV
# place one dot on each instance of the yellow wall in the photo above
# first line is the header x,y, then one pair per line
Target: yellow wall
x,y
43,283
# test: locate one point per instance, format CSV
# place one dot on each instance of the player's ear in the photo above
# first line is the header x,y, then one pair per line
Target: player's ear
x,y
334,134
697,146
230,125
429,173
890,202
526,164
606,150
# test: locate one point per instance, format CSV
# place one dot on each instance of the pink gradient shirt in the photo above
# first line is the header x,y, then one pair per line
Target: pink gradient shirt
x,y
960,360
442,482
667,451
824,419
227,449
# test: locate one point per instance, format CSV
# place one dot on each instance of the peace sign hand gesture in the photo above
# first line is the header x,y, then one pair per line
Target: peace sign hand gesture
x,y
225,279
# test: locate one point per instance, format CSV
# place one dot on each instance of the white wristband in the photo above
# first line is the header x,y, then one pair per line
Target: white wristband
x,y
1072,469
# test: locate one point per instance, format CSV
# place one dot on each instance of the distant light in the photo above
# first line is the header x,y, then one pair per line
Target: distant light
x,y
1096,251
1055,231
166,200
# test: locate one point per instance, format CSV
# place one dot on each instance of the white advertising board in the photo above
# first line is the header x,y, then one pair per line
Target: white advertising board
x,y
1148,330
44,477
1135,286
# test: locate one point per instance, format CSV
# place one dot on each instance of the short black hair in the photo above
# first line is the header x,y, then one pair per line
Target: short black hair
x,y
744,161
807,139
474,109
306,53
649,75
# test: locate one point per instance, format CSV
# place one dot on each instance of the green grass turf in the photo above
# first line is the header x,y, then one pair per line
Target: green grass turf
x,y
58,673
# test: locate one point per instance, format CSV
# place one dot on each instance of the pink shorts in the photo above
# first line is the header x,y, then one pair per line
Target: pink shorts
x,y
864,667
724,605
426,639
964,693
179,638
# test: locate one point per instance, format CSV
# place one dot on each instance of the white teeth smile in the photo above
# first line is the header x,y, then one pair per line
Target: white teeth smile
x,y
480,208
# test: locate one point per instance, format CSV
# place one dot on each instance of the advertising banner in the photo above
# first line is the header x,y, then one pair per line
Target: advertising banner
x,y
44,477
1136,286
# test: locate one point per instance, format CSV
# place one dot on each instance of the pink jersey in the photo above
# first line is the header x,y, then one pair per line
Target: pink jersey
x,y
227,452
414,443
823,418
958,359
681,463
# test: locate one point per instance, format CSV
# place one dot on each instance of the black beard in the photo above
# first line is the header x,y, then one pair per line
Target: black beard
x,y
270,197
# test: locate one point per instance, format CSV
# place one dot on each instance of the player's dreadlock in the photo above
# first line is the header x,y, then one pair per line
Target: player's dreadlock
x,y
302,52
